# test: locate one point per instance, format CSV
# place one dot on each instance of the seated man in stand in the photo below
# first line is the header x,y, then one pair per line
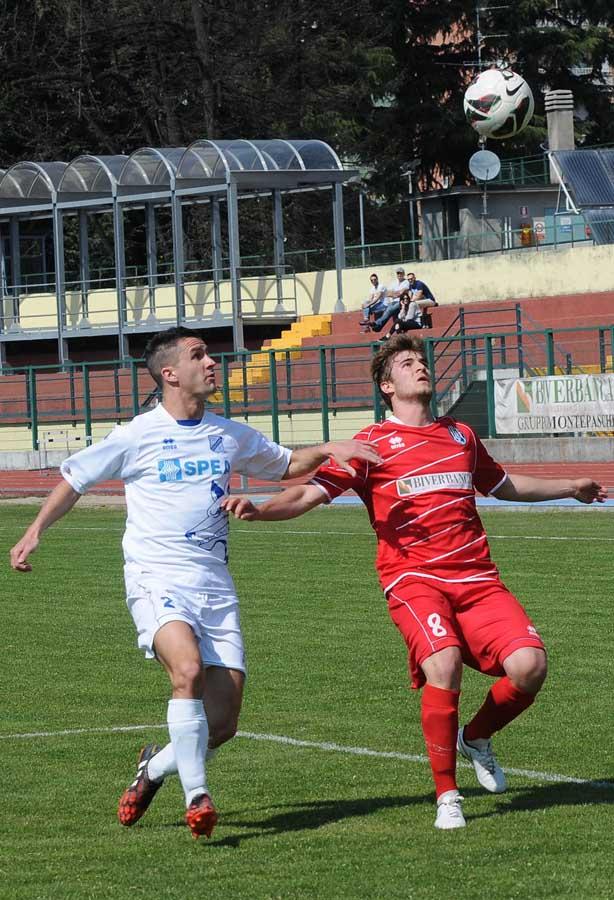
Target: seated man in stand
x,y
375,304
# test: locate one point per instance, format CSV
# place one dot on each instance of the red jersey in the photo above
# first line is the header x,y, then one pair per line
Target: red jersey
x,y
421,500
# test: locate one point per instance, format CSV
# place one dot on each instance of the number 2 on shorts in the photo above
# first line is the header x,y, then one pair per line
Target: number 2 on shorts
x,y
434,623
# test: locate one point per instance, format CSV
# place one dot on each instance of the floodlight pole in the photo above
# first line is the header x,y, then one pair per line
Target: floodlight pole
x,y
177,227
361,213
120,276
338,227
15,267
60,296
278,250
216,254
152,258
2,268
84,267
234,254
412,224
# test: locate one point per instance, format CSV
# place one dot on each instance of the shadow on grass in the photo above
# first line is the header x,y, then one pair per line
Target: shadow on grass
x,y
315,814
292,817
523,799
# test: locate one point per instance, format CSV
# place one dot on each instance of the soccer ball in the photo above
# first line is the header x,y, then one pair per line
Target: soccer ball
x,y
498,104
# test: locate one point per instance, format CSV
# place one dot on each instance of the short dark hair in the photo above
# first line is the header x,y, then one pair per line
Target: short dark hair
x,y
159,347
374,275
381,364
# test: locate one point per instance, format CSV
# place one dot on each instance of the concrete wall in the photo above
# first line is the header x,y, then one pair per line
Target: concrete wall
x,y
529,273
547,450
39,311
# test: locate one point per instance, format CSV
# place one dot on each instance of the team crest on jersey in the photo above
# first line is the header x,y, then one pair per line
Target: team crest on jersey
x,y
169,470
396,442
458,436
216,442
168,444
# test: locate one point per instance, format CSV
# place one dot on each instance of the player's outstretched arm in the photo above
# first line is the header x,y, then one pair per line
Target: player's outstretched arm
x,y
308,459
288,504
60,501
527,489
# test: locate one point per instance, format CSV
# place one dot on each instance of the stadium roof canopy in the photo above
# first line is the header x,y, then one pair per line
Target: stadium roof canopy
x,y
206,170
586,178
203,167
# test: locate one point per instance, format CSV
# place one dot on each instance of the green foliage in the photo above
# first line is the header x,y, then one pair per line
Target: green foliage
x,y
382,82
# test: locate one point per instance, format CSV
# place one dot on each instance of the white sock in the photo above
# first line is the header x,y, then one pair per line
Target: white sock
x,y
189,731
162,764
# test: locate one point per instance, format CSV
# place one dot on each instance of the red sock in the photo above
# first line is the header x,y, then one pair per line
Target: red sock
x,y
439,726
503,703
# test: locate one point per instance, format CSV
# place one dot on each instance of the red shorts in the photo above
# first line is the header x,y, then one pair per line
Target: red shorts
x,y
482,618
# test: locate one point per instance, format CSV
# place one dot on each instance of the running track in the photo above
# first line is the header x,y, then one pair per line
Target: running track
x,y
38,483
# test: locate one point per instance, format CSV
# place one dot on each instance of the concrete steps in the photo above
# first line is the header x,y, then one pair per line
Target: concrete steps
x,y
258,372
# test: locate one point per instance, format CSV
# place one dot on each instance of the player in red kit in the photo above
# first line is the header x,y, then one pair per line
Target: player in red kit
x,y
443,590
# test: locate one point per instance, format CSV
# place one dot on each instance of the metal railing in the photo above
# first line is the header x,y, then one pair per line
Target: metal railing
x,y
266,293
433,247
332,384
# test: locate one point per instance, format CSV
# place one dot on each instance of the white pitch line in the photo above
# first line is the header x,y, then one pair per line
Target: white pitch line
x,y
327,746
254,531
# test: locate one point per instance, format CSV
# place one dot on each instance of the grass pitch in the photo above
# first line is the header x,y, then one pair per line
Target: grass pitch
x,y
326,666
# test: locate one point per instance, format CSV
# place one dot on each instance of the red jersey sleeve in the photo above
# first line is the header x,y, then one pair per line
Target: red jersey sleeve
x,y
488,474
334,481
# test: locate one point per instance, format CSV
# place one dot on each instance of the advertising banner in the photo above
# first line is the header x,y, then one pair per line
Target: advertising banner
x,y
554,404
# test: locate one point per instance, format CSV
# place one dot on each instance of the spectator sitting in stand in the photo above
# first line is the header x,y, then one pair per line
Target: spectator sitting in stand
x,y
408,318
375,304
421,294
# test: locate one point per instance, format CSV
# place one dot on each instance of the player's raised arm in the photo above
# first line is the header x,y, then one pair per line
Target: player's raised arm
x,y
307,459
60,501
288,504
528,489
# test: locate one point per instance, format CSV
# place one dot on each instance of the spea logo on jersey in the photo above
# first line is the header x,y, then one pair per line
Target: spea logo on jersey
x,y
172,470
458,436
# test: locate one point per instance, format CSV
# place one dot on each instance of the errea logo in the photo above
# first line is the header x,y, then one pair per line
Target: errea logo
x,y
396,443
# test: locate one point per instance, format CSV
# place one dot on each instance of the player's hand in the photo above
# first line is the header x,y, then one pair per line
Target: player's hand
x,y
344,451
21,551
240,508
588,491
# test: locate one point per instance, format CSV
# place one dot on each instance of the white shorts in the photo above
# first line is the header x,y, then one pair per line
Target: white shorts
x,y
213,618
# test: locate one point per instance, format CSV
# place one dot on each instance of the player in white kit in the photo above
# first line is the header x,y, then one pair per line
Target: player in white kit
x,y
176,462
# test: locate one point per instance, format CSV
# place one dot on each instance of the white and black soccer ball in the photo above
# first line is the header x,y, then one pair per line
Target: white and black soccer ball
x,y
498,104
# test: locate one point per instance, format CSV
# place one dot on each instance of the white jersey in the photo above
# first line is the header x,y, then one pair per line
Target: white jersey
x,y
175,477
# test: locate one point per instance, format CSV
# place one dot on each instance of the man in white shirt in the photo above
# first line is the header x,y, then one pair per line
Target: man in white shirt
x,y
176,462
376,302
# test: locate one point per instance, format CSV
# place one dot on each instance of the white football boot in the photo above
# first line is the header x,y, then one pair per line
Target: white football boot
x,y
479,752
449,811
